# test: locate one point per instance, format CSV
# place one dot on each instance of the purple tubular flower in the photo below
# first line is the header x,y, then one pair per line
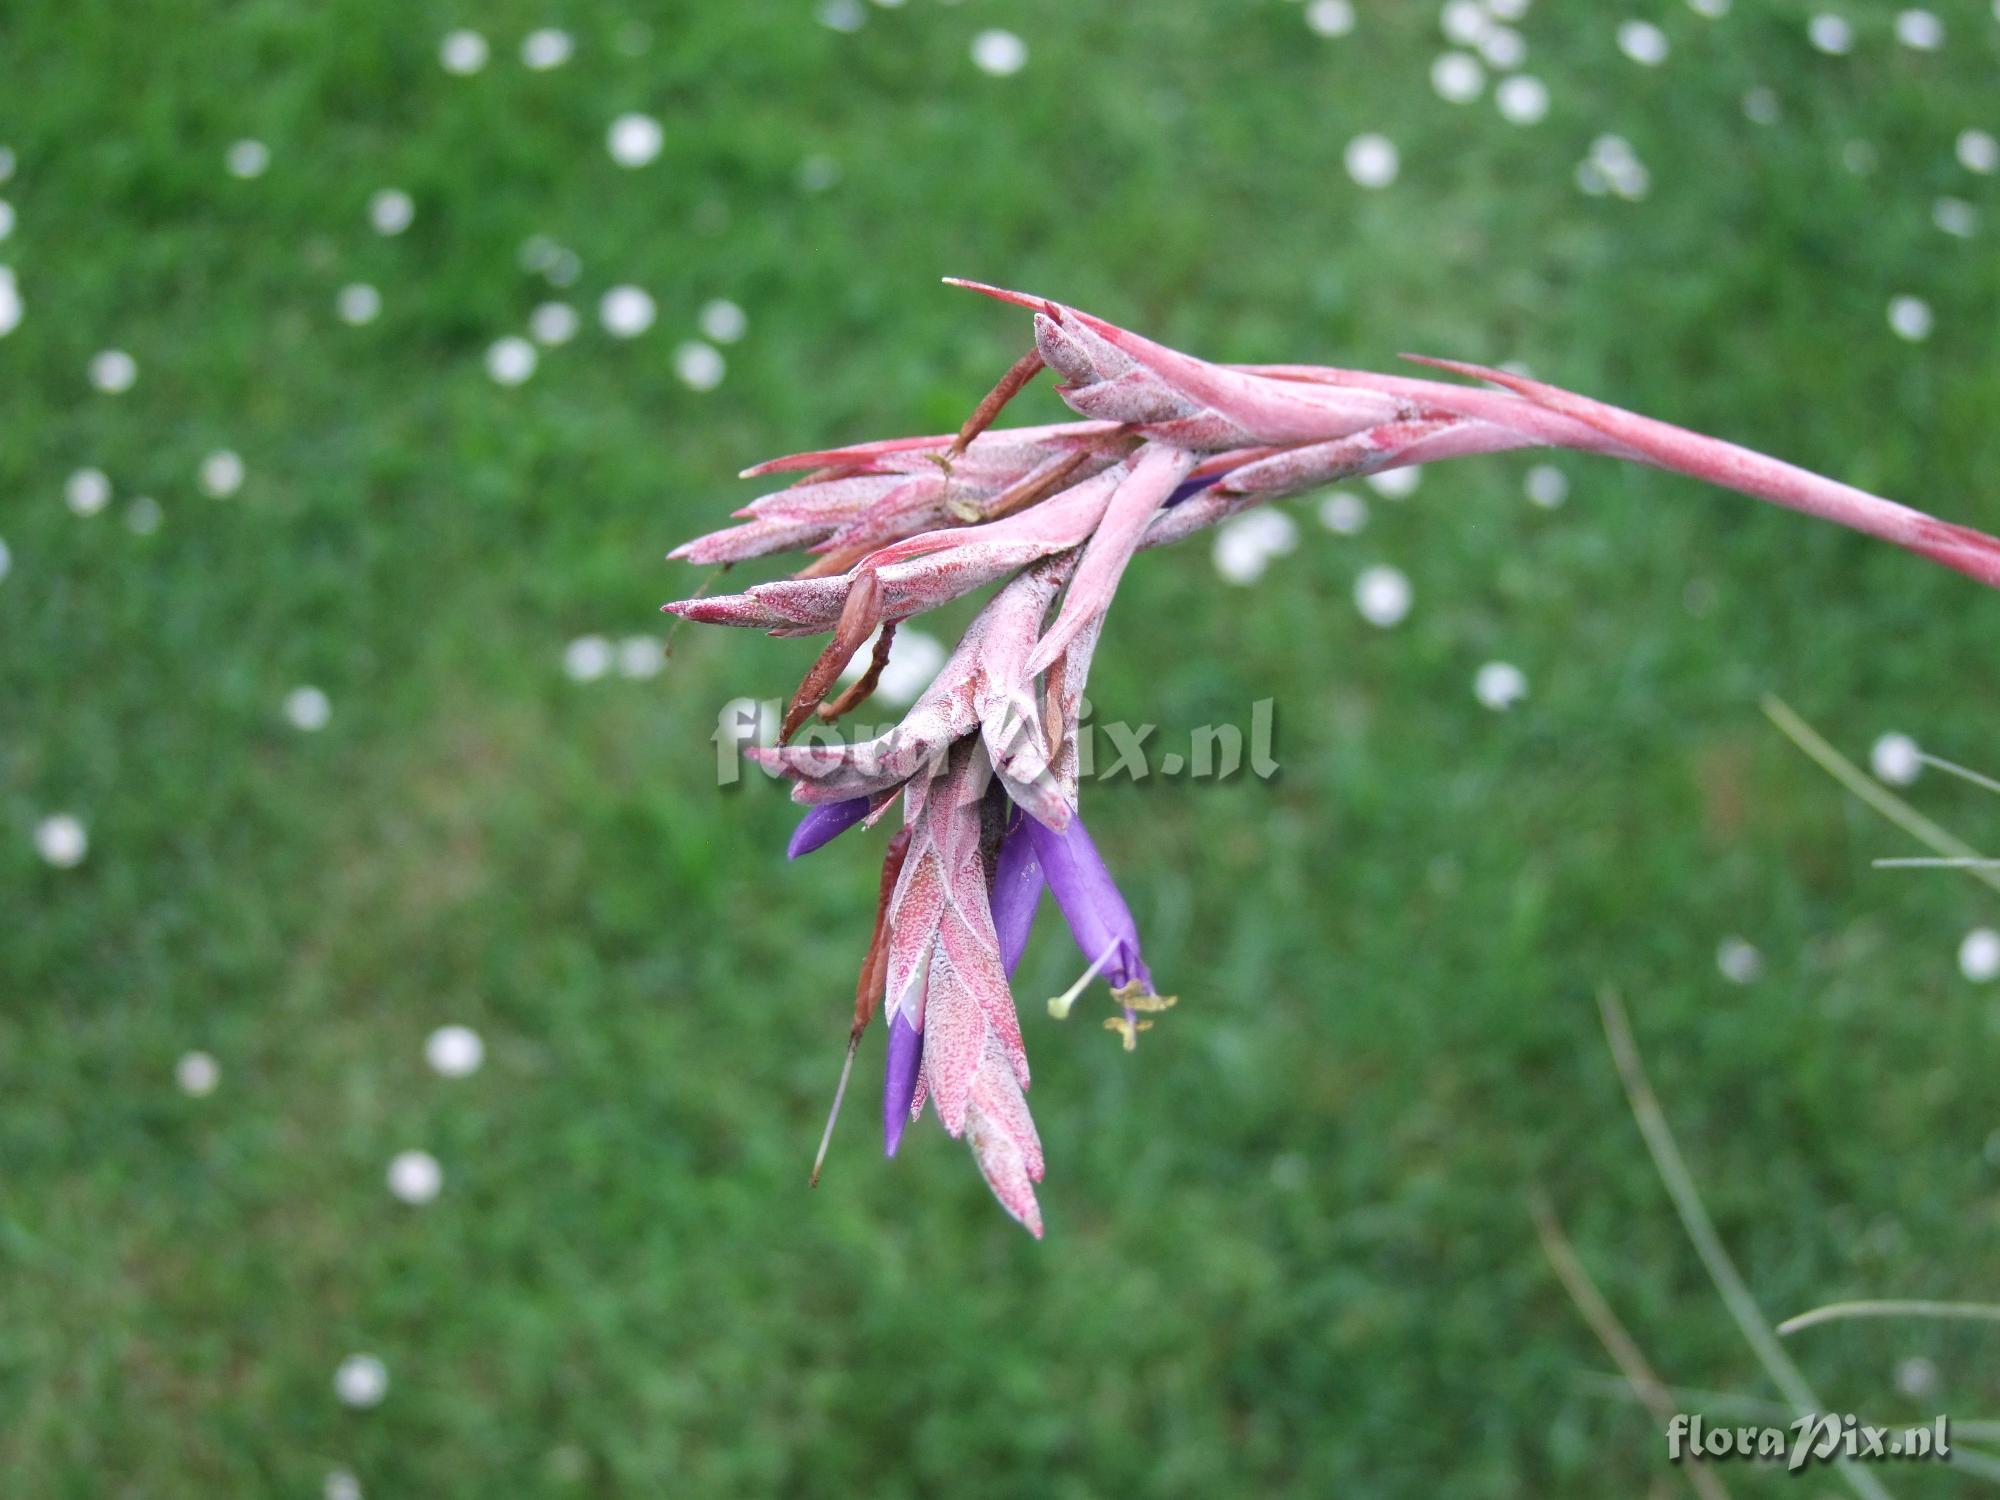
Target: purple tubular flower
x,y
1187,489
899,1080
1017,891
1088,898
825,824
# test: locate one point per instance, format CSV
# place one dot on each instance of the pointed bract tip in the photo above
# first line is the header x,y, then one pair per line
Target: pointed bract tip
x,y
1461,367
1002,294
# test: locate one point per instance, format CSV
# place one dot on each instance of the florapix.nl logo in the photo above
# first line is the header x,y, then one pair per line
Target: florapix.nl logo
x,y
1220,750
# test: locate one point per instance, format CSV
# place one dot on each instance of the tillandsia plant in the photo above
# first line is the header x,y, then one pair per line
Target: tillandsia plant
x,y
985,762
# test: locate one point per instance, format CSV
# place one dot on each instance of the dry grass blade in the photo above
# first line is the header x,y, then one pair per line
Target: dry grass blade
x,y
1645,1382
1963,773
1872,792
1679,1183
1892,1307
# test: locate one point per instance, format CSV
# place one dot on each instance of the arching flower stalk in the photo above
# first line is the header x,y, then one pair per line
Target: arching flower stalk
x,y
985,762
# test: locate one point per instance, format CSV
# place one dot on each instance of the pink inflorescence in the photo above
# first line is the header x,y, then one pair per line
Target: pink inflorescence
x,y
985,762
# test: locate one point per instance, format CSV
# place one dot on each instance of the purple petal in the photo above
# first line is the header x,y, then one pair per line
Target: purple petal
x,y
825,824
899,1080
1017,893
1088,898
1187,489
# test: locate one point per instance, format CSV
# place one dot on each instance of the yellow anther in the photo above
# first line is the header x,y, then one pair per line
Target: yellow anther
x,y
1135,996
1129,1030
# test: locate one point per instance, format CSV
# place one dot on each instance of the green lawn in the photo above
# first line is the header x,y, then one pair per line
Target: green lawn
x,y
1289,1246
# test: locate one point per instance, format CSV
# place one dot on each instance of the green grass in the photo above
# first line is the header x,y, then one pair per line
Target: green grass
x,y
1289,1248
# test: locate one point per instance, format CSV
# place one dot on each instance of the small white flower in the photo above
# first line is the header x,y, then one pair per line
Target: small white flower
x,y
1457,77
1917,1378
1643,42
999,53
340,1485
415,1177
87,491
635,139
357,303
462,52
587,658
842,15
1739,961
1396,484
197,1074
61,841
553,323
1342,513
511,360
391,211
221,474
1955,217
640,657
1979,955
1465,22
1910,318
1896,759
1383,595
545,48
1499,685
1523,99
818,173
454,1051
1238,557
1330,17
722,321
700,366
114,371
1245,544
626,312
1503,48
1761,106
914,660
361,1381
1546,486
1371,160
308,708
1978,151
1920,30
247,159
1830,34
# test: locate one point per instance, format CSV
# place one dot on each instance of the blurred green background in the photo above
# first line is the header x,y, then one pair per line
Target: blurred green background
x,y
1289,1251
